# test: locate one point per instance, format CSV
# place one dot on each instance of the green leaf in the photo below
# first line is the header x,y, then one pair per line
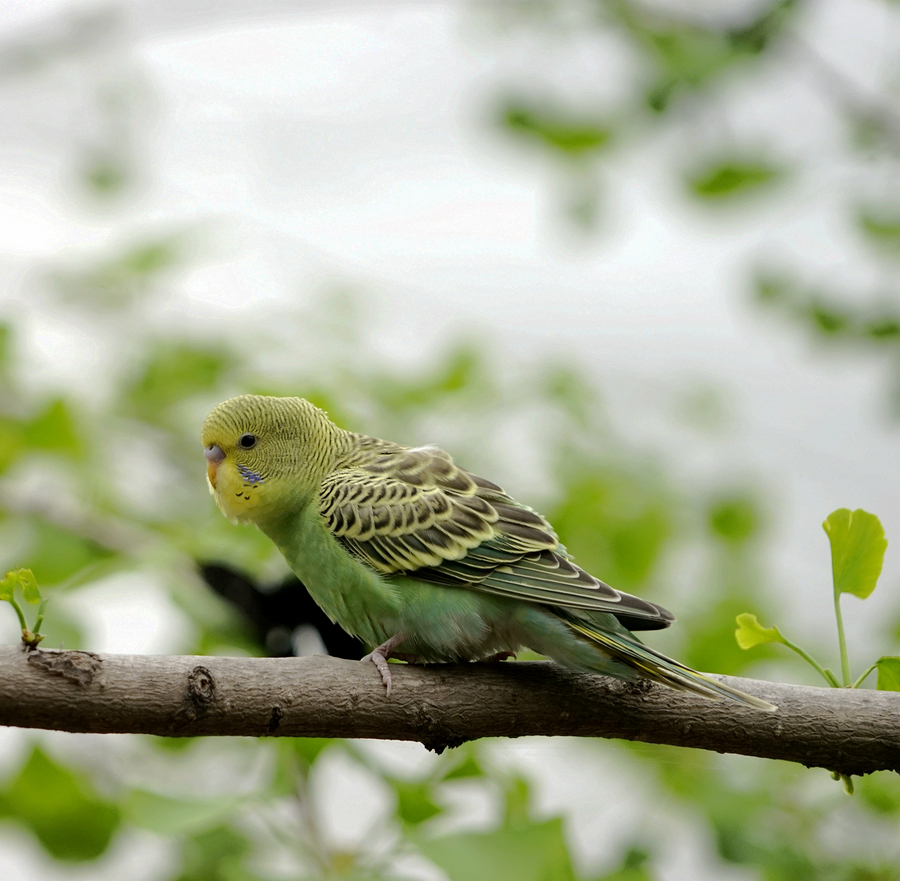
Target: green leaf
x,y
882,227
218,853
467,768
309,748
614,521
30,589
414,802
889,674
885,327
12,441
730,178
636,866
518,802
54,429
294,758
57,554
8,586
735,518
68,818
692,54
881,793
26,580
556,129
750,632
173,374
178,817
535,852
828,318
857,550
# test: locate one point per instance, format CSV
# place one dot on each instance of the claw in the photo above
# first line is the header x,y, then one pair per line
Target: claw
x,y
379,657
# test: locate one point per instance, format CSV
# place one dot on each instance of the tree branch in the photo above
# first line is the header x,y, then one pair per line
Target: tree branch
x,y
848,731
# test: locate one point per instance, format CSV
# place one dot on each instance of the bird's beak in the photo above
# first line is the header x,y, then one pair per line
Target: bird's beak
x,y
214,457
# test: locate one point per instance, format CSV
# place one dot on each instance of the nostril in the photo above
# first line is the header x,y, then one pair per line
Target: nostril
x,y
214,454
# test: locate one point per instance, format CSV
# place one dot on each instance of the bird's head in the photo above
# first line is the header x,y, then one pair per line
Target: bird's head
x,y
266,454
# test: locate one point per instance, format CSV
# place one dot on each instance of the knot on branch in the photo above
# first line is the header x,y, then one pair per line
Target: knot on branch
x,y
275,719
77,667
201,692
199,697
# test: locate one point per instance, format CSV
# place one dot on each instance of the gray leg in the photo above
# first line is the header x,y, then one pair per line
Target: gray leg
x,y
379,657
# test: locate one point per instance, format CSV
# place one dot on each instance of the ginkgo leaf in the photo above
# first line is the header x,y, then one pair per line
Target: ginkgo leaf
x,y
30,589
889,674
857,550
750,632
8,586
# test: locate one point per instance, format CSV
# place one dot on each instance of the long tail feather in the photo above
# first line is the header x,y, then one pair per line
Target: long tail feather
x,y
659,668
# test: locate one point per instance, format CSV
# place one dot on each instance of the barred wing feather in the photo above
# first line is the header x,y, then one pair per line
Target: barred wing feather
x,y
404,510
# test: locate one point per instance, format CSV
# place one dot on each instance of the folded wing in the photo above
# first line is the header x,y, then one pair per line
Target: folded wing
x,y
403,510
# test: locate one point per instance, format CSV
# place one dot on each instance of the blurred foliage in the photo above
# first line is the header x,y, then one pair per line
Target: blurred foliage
x,y
683,62
111,482
113,282
615,521
693,71
730,177
827,316
550,127
61,808
870,322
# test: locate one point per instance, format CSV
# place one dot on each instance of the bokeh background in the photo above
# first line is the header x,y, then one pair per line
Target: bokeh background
x,y
635,261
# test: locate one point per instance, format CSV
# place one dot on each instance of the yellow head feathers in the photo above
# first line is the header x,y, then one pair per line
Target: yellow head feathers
x,y
264,450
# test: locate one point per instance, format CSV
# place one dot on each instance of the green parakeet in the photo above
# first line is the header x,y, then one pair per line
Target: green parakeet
x,y
419,558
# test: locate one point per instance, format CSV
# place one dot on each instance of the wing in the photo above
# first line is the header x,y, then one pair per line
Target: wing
x,y
403,510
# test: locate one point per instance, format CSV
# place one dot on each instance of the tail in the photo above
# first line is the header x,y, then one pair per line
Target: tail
x,y
659,668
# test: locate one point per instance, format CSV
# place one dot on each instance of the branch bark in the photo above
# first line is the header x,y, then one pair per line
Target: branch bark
x,y
847,731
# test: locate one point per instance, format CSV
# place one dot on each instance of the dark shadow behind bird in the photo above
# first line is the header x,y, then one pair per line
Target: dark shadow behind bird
x,y
274,612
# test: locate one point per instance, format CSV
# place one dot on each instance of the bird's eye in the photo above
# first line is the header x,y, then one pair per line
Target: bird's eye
x,y
247,441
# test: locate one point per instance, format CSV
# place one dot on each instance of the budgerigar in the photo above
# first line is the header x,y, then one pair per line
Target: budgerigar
x,y
419,558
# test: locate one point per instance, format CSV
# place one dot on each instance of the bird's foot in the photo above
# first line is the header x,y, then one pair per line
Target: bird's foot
x,y
500,656
379,657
